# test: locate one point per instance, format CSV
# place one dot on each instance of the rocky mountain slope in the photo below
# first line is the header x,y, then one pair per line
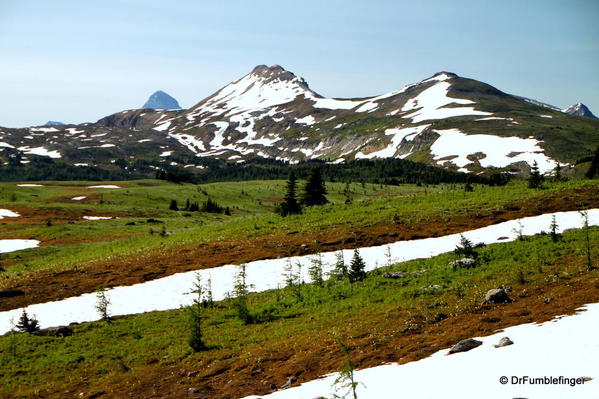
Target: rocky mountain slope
x,y
444,120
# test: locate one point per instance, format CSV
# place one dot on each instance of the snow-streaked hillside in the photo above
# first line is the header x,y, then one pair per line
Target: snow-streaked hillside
x,y
445,120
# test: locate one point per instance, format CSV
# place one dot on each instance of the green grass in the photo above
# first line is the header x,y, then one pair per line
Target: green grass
x,y
131,345
252,205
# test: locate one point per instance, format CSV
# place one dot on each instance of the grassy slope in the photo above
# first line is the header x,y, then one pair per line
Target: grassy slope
x,y
71,245
102,357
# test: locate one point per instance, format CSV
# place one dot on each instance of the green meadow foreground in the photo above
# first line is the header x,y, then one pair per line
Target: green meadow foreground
x,y
292,332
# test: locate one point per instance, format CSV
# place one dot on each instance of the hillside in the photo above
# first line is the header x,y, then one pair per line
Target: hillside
x,y
445,120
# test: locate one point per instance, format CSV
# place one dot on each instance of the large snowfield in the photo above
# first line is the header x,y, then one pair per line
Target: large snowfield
x,y
174,291
563,347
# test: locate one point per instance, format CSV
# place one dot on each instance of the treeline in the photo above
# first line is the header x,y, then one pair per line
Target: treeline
x,y
44,168
379,171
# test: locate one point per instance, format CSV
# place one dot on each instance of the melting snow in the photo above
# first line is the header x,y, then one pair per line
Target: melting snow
x,y
565,346
40,151
78,198
7,213
500,151
397,136
17,245
306,120
430,103
105,186
173,291
29,185
98,217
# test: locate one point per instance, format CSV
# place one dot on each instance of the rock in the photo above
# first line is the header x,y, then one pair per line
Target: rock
x,y
56,332
505,341
11,293
431,287
497,295
465,345
290,381
395,275
465,263
480,245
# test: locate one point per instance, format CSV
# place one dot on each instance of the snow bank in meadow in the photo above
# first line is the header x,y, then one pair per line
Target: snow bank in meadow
x,y
99,217
30,185
17,245
8,214
566,347
173,291
78,198
105,186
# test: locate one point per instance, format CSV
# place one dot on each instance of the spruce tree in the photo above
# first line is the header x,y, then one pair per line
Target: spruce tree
x,y
535,179
27,324
315,190
240,293
356,268
195,317
594,169
290,206
173,206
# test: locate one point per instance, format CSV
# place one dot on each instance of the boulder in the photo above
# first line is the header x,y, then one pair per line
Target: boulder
x,y
496,295
395,275
465,263
56,332
434,287
465,345
505,341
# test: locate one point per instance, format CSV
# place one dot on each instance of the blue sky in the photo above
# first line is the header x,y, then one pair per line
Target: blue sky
x,y
77,61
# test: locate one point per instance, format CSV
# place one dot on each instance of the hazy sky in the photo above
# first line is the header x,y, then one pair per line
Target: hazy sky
x,y
77,61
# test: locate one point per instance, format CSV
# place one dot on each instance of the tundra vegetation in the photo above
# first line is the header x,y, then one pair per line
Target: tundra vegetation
x,y
212,342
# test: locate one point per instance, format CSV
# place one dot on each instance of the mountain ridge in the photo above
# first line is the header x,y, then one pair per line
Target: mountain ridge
x,y
444,120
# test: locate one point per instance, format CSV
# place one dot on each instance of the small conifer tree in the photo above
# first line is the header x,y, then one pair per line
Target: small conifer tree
x,y
465,248
240,293
315,190
535,179
316,270
553,227
357,268
196,341
173,206
594,168
340,270
290,205
27,324
102,304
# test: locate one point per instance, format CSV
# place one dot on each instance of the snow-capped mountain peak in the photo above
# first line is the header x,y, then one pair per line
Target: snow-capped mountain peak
x,y
261,88
579,110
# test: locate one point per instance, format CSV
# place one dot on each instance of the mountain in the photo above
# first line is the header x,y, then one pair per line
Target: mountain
x,y
54,123
580,110
444,120
161,100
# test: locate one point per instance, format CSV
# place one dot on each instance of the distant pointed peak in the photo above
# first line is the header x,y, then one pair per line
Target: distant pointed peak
x,y
579,109
161,100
